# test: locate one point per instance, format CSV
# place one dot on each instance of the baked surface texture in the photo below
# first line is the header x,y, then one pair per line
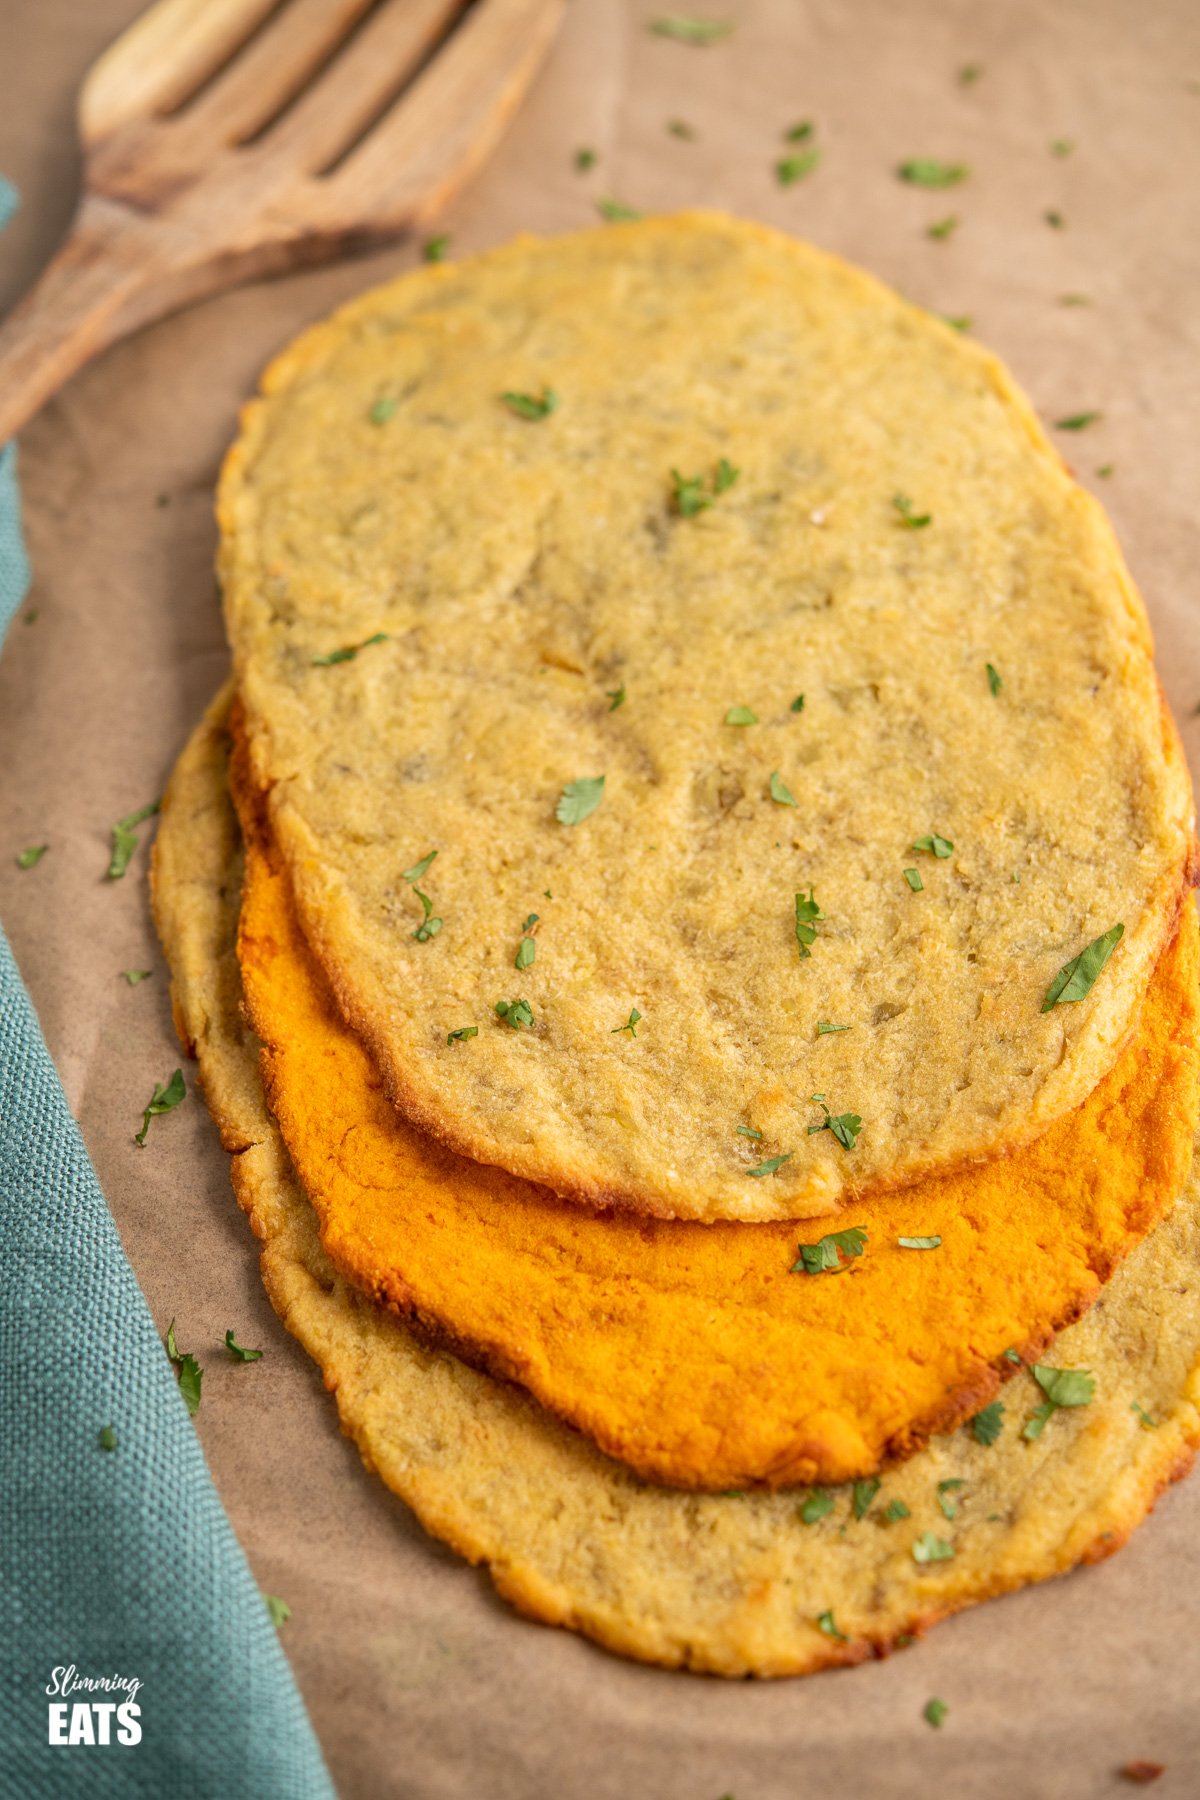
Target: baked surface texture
x,y
693,1352
728,1584
556,606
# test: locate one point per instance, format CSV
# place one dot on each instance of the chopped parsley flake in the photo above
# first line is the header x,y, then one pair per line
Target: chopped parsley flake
x,y
584,160
864,1494
741,715
616,211
1105,470
844,1126
924,171
915,521
772,1163
689,496
747,1131
616,696
956,321
913,878
994,681
940,847
34,854
419,868
579,800
817,1505
827,1624
163,1100
108,1437
124,838
919,1243
946,1500
824,1028
1144,1419
348,652
238,1351
1073,300
1013,1356
968,73
943,228
681,129
190,1373
515,1013
1062,1387
631,1023
935,1712
790,169
1055,219
528,406
1061,147
797,704
434,248
799,134
1076,978
279,1610
383,409
987,1425
894,1510
133,976
929,1548
429,926
462,1033
808,916
526,952
687,30
780,791
826,1255
1077,421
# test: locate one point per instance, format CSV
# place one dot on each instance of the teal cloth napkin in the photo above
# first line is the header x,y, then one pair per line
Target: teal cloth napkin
x,y
119,1562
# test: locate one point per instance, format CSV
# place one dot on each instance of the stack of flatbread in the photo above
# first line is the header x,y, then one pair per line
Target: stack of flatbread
x,y
684,916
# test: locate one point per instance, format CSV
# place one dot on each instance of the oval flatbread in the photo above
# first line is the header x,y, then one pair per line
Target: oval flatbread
x,y
732,1585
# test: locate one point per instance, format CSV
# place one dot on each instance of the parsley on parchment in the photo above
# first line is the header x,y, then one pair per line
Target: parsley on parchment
x,y
239,1352
685,29
279,1610
1077,421
190,1372
927,172
790,169
616,210
125,840
434,249
29,858
163,1100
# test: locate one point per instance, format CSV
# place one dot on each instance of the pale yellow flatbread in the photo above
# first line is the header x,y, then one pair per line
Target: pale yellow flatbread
x,y
731,1585
765,476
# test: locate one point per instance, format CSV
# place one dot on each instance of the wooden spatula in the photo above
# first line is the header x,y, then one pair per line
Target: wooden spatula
x,y
226,139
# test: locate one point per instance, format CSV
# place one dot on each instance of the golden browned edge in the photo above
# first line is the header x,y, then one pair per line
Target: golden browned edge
x,y
393,1292
307,349
523,1586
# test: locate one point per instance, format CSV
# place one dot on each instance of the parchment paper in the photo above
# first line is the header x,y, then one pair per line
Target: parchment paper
x,y
420,1682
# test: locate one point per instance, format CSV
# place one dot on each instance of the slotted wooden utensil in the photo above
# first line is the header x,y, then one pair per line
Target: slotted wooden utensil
x,y
227,139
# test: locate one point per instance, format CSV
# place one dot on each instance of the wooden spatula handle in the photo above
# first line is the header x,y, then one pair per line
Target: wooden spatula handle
x,y
85,299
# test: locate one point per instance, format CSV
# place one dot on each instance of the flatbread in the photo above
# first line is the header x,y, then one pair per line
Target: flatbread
x,y
732,1585
550,613
692,1351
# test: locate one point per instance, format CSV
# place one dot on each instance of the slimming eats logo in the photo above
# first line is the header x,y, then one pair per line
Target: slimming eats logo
x,y
102,1721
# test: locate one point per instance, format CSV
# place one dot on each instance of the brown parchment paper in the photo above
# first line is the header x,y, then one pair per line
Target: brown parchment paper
x,y
419,1681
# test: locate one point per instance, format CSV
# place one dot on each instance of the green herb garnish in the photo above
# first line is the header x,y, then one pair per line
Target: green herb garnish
x,y
690,496
429,926
826,1255
1105,470
844,1126
929,1548
741,715
461,1035
808,917
108,1437
772,1163
348,652
528,406
914,521
419,868
526,952
584,160
994,681
969,72
1062,1387
919,1243
824,1028
935,1712
1077,421
579,800
631,1023
826,1623
687,30
817,1505
163,1100
797,705
133,976
1076,979
616,696
681,129
987,1425
383,409
780,791
939,846
1144,1419
279,1610
790,169
924,171
434,248
1061,147
956,322
124,838
28,858
747,1131
946,1501
515,1013
238,1351
894,1510
913,878
943,228
1013,1356
190,1372
615,211
1055,219
864,1493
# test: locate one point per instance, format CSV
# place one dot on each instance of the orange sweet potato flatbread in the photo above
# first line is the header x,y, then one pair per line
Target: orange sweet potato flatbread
x,y
691,1351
